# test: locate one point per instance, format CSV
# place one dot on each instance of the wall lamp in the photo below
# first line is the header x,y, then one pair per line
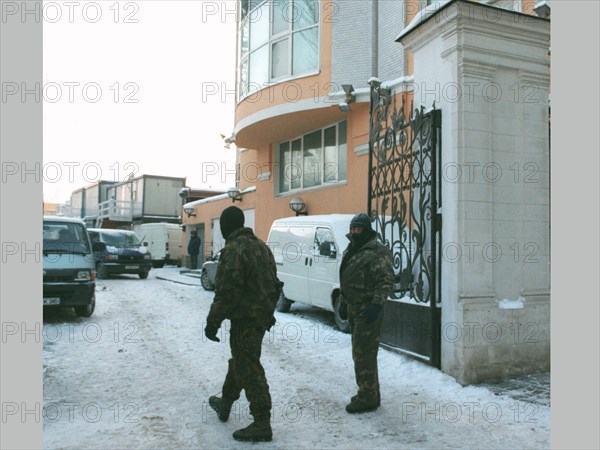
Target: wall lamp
x,y
184,192
298,206
344,104
234,194
542,9
228,140
191,212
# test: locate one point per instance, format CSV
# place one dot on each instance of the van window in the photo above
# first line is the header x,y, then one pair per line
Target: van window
x,y
324,242
65,238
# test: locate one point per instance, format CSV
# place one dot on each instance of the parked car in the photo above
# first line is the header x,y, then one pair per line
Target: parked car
x,y
68,265
308,253
209,272
124,253
165,241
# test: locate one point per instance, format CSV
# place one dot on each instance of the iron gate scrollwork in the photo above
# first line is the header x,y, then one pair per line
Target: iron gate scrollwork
x,y
404,200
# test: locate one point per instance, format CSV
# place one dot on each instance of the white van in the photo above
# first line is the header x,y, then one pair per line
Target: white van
x,y
308,253
69,265
165,242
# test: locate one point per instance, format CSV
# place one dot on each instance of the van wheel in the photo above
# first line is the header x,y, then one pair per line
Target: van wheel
x,y
101,272
158,264
283,304
341,320
143,275
87,310
206,284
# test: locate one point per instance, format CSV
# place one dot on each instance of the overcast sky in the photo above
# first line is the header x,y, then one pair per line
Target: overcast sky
x,y
143,87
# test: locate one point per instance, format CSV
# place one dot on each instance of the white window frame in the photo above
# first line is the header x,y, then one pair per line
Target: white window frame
x,y
251,87
281,170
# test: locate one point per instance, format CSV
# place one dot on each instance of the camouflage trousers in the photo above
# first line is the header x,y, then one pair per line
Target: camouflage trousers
x,y
245,371
365,345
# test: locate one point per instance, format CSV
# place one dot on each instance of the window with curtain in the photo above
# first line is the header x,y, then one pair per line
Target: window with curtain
x,y
279,40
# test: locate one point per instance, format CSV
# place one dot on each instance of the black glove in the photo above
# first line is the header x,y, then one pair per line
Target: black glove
x,y
371,312
210,331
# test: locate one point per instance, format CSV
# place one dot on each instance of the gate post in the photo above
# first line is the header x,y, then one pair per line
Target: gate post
x,y
487,69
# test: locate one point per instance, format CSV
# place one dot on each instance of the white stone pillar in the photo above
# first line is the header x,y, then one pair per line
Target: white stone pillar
x,y
487,69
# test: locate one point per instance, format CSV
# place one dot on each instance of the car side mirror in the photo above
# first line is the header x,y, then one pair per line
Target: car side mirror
x,y
327,249
145,244
98,246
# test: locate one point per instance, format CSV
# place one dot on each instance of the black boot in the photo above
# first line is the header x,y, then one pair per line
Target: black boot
x,y
358,405
222,406
354,398
258,431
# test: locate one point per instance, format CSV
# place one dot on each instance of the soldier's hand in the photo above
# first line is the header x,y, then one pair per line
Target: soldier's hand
x,y
371,312
210,331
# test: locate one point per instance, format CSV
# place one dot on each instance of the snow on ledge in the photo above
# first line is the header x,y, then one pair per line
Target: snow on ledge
x,y
519,303
422,15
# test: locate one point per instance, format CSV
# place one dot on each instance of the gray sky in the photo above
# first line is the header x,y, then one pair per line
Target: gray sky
x,y
143,87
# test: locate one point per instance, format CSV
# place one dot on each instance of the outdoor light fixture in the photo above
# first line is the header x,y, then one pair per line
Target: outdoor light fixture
x,y
542,9
385,95
191,212
184,192
229,140
344,107
234,194
298,206
344,104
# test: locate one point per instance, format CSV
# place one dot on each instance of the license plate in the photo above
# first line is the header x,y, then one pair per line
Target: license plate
x,y
51,301
132,267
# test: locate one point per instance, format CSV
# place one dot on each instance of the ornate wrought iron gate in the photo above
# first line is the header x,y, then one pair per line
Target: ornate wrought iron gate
x,y
405,197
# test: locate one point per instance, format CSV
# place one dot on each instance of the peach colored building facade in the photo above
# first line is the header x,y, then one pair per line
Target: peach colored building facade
x,y
287,108
302,125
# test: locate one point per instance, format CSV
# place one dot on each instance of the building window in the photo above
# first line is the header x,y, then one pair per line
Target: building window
x,y
317,158
279,40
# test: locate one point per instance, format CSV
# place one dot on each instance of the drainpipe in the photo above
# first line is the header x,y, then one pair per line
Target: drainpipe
x,y
374,38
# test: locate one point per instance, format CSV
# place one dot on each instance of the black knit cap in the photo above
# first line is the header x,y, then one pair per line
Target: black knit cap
x,y
231,219
361,220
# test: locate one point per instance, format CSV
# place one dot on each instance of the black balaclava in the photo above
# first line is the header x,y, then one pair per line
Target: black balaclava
x,y
361,220
231,219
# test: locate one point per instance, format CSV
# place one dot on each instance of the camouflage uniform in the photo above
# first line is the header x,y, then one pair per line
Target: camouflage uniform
x,y
366,276
245,294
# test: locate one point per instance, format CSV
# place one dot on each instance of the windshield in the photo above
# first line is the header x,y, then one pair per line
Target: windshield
x,y
121,239
62,237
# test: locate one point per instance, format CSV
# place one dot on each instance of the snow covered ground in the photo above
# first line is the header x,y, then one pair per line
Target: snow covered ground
x,y
139,372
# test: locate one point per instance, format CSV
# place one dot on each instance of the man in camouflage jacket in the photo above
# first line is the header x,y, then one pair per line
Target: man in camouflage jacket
x,y
245,293
366,280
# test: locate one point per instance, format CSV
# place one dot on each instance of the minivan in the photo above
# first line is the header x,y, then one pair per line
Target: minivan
x,y
124,253
69,275
308,253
